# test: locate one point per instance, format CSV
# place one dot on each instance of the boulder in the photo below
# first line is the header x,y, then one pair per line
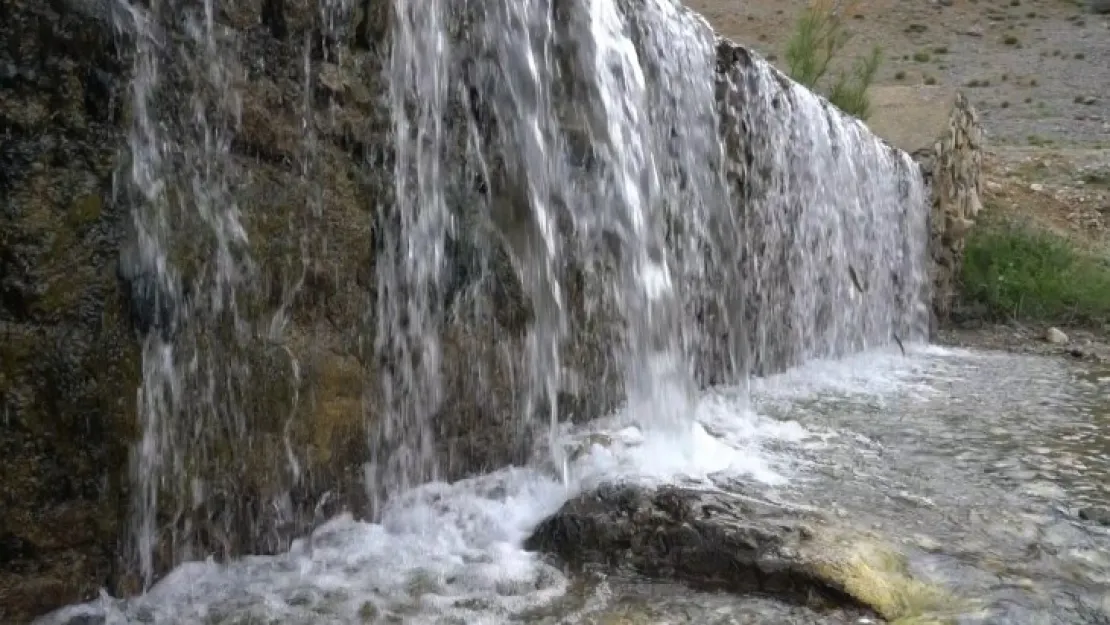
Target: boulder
x,y
1055,336
714,539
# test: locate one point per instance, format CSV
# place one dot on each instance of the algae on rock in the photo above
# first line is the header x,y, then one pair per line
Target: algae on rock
x,y
68,360
711,538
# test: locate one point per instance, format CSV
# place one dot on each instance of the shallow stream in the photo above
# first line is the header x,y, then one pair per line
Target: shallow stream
x,y
974,464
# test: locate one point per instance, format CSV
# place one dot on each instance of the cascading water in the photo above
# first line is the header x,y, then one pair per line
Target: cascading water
x,y
210,320
833,224
411,274
186,285
640,187
536,92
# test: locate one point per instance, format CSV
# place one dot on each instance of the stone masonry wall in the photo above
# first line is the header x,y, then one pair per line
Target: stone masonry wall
x,y
952,167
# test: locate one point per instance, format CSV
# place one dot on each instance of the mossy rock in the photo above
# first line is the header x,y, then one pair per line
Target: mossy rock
x,y
876,575
719,540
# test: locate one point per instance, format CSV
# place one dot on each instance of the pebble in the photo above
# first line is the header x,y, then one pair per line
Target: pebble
x,y
1055,336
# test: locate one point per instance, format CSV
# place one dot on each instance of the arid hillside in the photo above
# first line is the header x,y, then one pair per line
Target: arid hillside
x,y
1036,70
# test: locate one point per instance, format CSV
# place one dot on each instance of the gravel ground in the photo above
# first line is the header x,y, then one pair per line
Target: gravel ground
x,y
1037,70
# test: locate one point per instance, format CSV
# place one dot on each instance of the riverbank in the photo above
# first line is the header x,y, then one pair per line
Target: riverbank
x,y
1038,257
1032,68
1033,339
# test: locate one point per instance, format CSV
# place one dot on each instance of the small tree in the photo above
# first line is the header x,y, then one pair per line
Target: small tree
x,y
818,37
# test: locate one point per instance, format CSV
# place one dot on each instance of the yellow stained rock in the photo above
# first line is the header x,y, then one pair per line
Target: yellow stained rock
x,y
878,576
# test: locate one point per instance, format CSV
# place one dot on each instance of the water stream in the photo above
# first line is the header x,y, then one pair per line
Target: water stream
x,y
973,464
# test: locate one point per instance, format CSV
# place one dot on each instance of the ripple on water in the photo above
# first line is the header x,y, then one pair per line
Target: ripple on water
x,y
996,450
972,462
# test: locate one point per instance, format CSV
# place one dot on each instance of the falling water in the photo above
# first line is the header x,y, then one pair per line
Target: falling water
x,y
833,223
630,182
732,221
186,286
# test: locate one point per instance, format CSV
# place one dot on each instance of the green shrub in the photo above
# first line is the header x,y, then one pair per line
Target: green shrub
x,y
819,36
1019,273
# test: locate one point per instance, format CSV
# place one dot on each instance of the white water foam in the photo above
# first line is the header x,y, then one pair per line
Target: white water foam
x,y
877,373
449,553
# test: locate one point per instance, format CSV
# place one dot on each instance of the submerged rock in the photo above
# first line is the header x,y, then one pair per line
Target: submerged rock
x,y
1099,516
726,541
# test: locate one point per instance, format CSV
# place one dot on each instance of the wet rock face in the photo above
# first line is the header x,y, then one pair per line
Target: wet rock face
x,y
68,358
77,303
704,538
764,121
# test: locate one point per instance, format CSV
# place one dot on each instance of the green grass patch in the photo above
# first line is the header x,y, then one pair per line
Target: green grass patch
x,y
1019,273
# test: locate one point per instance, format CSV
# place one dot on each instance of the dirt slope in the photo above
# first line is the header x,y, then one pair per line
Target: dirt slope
x,y
1038,71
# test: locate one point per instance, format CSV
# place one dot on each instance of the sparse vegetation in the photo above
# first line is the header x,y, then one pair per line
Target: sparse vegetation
x,y
1016,272
819,36
1096,178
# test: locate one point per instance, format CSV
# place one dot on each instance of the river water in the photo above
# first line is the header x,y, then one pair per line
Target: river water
x,y
973,464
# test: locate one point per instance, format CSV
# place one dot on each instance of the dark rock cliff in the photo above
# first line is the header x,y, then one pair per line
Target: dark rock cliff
x,y
68,358
78,303
75,309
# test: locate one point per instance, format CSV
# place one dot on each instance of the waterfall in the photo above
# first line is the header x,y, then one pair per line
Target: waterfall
x,y
602,198
833,228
